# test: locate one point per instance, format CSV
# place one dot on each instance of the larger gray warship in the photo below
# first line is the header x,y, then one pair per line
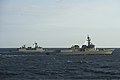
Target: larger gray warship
x,y
89,48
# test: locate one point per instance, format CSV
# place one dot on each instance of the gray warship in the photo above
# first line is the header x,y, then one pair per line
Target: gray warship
x,y
30,49
89,49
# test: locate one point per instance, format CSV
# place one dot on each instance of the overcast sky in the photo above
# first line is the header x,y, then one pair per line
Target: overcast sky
x,y
59,23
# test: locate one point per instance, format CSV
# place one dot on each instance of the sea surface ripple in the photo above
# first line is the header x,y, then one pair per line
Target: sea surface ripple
x,y
38,67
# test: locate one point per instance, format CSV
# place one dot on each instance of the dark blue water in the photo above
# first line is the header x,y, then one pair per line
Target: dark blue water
x,y
37,67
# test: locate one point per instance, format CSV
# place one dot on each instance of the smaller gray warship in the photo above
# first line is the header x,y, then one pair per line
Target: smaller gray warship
x,y
30,49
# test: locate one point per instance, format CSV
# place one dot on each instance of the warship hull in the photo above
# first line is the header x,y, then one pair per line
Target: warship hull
x,y
106,52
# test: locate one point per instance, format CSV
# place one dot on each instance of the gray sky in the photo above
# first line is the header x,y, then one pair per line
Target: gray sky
x,y
59,23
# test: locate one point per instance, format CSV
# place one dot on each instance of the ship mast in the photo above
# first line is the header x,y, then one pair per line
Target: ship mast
x,y
88,39
36,46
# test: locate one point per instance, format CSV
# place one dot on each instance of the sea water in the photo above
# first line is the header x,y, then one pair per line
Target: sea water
x,y
62,67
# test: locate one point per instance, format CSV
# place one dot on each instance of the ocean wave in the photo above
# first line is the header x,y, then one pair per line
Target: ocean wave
x,y
101,71
7,73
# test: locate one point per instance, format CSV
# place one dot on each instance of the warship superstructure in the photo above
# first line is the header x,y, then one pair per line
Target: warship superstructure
x,y
89,48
